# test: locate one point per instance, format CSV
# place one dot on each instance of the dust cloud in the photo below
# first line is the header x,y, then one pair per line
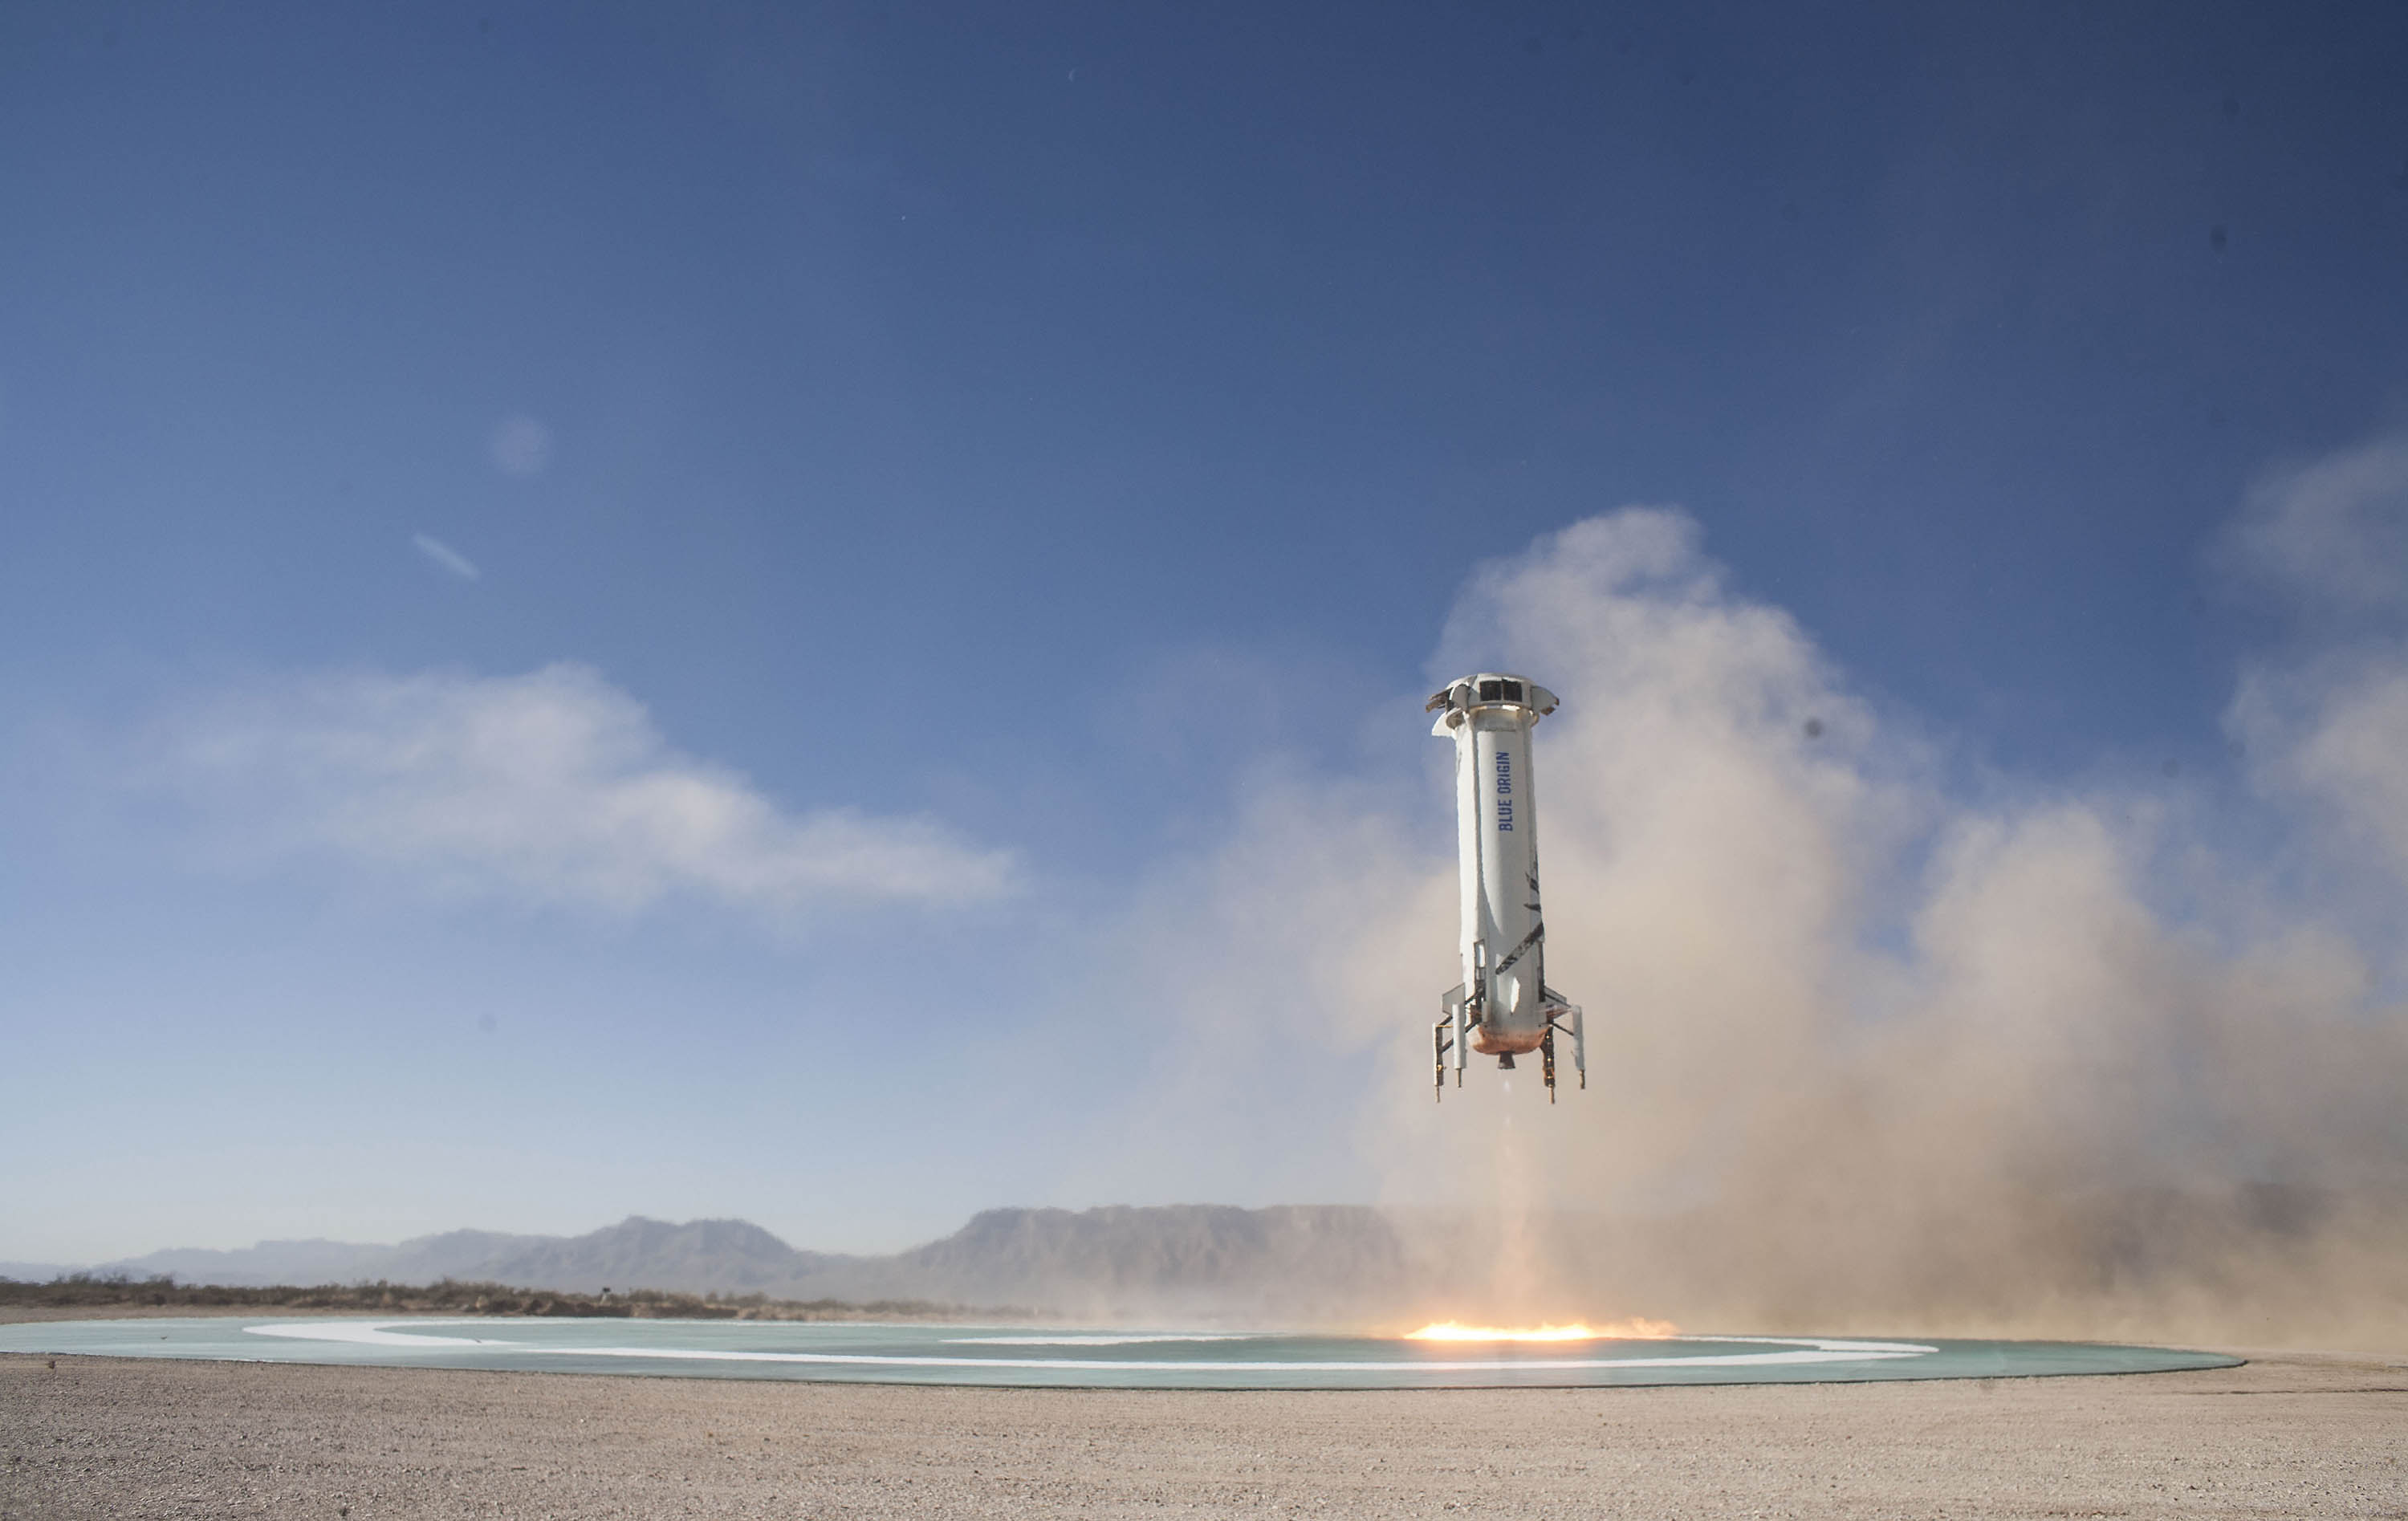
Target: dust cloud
x,y
1882,1040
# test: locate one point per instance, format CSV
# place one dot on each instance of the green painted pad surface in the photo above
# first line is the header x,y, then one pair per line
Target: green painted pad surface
x,y
1020,1356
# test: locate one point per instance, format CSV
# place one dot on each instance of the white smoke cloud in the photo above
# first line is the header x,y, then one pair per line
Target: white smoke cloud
x,y
2331,734
2328,728
2333,533
1857,1046
553,788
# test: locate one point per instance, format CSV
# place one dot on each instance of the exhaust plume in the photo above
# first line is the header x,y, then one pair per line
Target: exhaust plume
x,y
1869,1054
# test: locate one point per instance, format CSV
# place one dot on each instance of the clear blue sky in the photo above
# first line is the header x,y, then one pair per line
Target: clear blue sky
x,y
957,450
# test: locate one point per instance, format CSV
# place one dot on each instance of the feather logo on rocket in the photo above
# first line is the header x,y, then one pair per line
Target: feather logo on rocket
x,y
1503,1007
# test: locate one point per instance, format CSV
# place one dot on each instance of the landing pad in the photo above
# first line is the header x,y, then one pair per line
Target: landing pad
x,y
1019,1357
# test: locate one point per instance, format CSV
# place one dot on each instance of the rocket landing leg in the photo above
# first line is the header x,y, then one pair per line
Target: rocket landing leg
x,y
1565,1016
1451,1033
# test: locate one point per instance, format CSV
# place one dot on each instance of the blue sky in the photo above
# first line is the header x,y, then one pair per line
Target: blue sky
x,y
612,608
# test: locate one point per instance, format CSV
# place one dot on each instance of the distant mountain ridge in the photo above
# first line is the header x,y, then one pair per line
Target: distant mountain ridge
x,y
1316,1258
1115,1260
700,1256
456,1254
2255,1256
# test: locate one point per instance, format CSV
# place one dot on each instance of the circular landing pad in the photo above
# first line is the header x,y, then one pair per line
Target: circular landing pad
x,y
1022,1358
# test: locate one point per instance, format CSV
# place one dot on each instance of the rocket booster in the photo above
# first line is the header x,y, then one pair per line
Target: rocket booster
x,y
1503,1007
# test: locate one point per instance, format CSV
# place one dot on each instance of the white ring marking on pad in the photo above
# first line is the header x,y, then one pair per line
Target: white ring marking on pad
x,y
1812,1349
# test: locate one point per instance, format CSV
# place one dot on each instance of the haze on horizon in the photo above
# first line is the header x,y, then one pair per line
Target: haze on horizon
x,y
820,617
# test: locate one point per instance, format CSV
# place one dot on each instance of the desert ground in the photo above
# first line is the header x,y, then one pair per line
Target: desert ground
x,y
2290,1434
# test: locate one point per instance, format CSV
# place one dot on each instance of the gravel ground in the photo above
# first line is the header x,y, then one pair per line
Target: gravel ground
x,y
2292,1434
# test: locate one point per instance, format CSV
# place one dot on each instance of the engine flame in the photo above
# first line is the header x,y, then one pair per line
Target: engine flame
x,y
1619,1330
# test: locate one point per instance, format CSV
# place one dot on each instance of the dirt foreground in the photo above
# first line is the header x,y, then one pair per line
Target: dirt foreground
x,y
2291,1434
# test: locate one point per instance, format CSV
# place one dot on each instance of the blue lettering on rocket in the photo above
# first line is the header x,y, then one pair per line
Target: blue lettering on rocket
x,y
1504,791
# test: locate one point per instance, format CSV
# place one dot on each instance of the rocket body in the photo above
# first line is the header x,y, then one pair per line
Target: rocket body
x,y
1503,1007
1504,936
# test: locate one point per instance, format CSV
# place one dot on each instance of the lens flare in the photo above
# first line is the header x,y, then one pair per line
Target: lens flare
x,y
1619,1330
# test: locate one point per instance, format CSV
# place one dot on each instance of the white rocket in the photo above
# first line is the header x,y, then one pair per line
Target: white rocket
x,y
1503,1007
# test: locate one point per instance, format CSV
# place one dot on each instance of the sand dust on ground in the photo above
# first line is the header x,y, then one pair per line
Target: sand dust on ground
x,y
2292,1434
